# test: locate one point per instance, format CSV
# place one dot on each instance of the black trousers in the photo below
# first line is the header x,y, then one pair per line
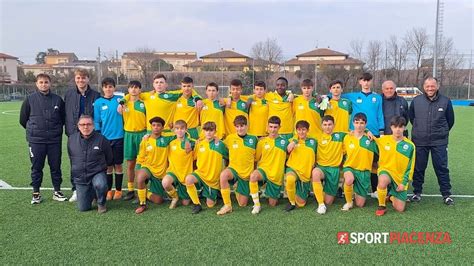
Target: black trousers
x,y
439,158
38,154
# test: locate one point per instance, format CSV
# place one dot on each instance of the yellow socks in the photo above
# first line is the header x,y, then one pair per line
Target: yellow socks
x,y
141,196
130,186
172,193
382,194
193,194
291,188
226,196
348,192
254,193
318,192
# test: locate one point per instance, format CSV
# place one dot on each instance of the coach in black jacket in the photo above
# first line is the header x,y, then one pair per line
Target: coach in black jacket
x,y
42,115
393,105
90,153
432,117
79,101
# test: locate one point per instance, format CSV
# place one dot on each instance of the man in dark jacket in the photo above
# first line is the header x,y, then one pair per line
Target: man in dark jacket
x,y
78,101
432,117
393,105
90,153
42,115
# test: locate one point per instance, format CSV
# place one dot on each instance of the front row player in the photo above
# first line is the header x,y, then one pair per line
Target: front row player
x,y
396,166
271,155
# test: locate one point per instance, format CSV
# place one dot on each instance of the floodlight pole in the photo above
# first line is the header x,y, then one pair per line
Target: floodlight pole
x,y
435,52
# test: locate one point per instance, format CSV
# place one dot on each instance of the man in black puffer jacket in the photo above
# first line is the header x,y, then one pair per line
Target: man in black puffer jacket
x,y
42,115
393,105
90,153
432,117
79,100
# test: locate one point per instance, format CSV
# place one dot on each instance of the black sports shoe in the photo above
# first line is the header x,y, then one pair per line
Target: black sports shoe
x,y
36,199
59,196
129,196
448,201
414,198
289,207
196,209
339,193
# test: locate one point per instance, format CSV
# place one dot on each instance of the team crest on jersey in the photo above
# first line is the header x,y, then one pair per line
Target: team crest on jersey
x,y
162,141
149,147
119,100
367,142
235,145
344,103
243,105
324,142
251,141
152,97
267,146
351,146
405,147
336,135
282,142
311,141
300,106
165,96
374,99
202,149
105,107
387,147
142,105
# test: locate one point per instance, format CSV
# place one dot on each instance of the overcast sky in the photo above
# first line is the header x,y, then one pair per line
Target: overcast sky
x,y
28,27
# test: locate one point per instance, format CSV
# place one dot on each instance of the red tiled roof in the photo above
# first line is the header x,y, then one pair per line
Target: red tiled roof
x,y
6,56
322,52
188,56
225,54
249,63
37,66
348,61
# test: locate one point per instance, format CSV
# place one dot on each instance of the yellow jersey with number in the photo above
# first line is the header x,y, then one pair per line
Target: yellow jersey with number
x,y
209,161
213,111
258,117
271,157
359,152
281,107
241,153
180,162
134,116
302,158
153,154
396,158
309,111
330,149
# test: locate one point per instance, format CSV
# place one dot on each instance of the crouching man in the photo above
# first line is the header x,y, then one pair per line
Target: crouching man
x,y
90,153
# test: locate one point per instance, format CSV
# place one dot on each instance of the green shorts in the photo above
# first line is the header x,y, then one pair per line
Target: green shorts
x,y
131,142
331,179
272,190
402,195
180,188
193,133
361,181
302,188
155,183
207,191
287,136
243,187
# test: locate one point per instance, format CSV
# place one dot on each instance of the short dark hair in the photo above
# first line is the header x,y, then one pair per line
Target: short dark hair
x,y
236,82
43,76
274,120
302,124
135,83
181,123
360,116
260,83
398,121
366,76
307,83
209,126
327,118
334,82
84,116
159,76
157,119
213,84
187,80
108,81
284,79
240,120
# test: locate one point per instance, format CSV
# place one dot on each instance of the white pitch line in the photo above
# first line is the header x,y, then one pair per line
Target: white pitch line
x,y
9,112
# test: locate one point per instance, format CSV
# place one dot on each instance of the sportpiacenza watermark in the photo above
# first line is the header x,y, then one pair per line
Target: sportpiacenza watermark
x,y
436,238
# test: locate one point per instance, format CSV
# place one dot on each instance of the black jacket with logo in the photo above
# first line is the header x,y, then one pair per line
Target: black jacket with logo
x,y
42,115
431,119
394,106
72,100
88,156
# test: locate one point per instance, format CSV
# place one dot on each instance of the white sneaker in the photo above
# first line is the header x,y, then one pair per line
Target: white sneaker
x,y
174,203
374,195
347,206
73,197
59,196
256,209
321,209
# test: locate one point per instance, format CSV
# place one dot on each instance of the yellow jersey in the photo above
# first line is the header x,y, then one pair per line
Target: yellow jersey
x,y
134,116
187,111
359,152
153,154
281,107
396,158
160,104
258,117
330,149
238,107
209,161
302,158
309,111
271,157
180,162
213,111
241,153
341,111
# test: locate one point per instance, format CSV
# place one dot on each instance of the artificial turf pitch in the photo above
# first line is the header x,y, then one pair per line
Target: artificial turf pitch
x,y
54,232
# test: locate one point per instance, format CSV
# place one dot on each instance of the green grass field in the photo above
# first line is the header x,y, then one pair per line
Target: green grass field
x,y
54,232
